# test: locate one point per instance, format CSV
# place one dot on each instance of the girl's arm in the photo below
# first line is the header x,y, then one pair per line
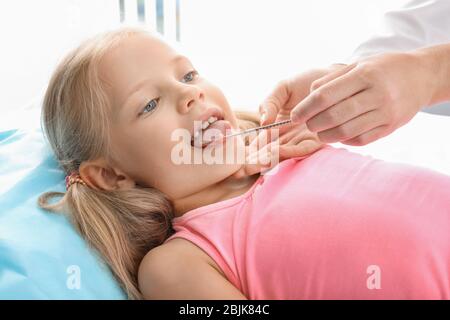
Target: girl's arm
x,y
173,275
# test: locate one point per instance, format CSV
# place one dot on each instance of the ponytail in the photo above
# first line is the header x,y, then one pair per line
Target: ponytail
x,y
122,226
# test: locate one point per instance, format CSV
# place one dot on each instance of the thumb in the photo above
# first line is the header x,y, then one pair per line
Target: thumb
x,y
273,103
268,111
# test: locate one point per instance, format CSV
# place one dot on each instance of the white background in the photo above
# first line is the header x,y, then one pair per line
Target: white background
x,y
244,46
250,45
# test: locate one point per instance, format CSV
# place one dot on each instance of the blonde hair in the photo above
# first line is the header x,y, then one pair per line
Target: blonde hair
x,y
121,225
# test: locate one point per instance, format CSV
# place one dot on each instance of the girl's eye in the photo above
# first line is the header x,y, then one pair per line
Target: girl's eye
x,y
150,106
190,76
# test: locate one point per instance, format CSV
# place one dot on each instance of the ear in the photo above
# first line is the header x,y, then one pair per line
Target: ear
x,y
98,175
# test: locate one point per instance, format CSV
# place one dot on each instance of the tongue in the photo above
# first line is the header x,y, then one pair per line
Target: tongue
x,y
219,128
221,125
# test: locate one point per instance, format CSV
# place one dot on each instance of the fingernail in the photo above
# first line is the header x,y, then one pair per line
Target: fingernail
x,y
263,108
263,117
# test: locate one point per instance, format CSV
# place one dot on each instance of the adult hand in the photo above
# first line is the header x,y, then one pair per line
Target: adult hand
x,y
360,103
288,93
290,140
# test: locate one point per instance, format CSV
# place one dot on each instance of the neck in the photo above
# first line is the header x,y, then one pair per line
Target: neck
x,y
226,189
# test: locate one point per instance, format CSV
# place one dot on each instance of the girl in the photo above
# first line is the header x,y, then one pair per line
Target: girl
x,y
327,224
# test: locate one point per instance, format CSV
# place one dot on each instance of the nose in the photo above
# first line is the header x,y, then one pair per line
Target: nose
x,y
189,96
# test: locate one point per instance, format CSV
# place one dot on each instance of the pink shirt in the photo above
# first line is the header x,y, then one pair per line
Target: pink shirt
x,y
335,225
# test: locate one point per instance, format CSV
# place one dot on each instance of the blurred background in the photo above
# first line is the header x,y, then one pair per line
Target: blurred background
x,y
244,46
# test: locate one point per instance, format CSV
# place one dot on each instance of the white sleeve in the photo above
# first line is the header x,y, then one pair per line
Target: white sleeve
x,y
420,23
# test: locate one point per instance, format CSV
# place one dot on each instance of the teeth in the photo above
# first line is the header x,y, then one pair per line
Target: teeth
x,y
205,125
212,119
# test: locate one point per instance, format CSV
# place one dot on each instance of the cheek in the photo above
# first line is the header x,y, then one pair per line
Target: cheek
x,y
145,153
160,151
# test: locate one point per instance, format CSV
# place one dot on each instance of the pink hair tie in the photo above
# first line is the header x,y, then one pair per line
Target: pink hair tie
x,y
74,177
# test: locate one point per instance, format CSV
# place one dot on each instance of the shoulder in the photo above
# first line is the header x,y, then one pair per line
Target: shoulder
x,y
179,270
177,248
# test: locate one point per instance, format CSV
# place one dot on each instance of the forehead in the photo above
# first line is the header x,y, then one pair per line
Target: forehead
x,y
133,55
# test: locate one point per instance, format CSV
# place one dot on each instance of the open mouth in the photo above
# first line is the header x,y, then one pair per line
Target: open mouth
x,y
211,129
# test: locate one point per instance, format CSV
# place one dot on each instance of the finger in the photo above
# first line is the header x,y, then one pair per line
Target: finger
x,y
301,149
328,95
291,136
352,128
300,137
251,169
262,160
368,137
261,151
244,171
280,130
258,142
342,112
265,156
263,138
331,76
272,104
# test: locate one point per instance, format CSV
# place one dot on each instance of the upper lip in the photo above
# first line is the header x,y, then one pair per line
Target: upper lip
x,y
211,112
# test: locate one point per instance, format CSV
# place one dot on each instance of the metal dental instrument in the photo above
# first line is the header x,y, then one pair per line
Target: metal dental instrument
x,y
244,132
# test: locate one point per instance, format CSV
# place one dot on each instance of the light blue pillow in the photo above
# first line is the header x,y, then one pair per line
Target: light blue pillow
x,y
41,254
